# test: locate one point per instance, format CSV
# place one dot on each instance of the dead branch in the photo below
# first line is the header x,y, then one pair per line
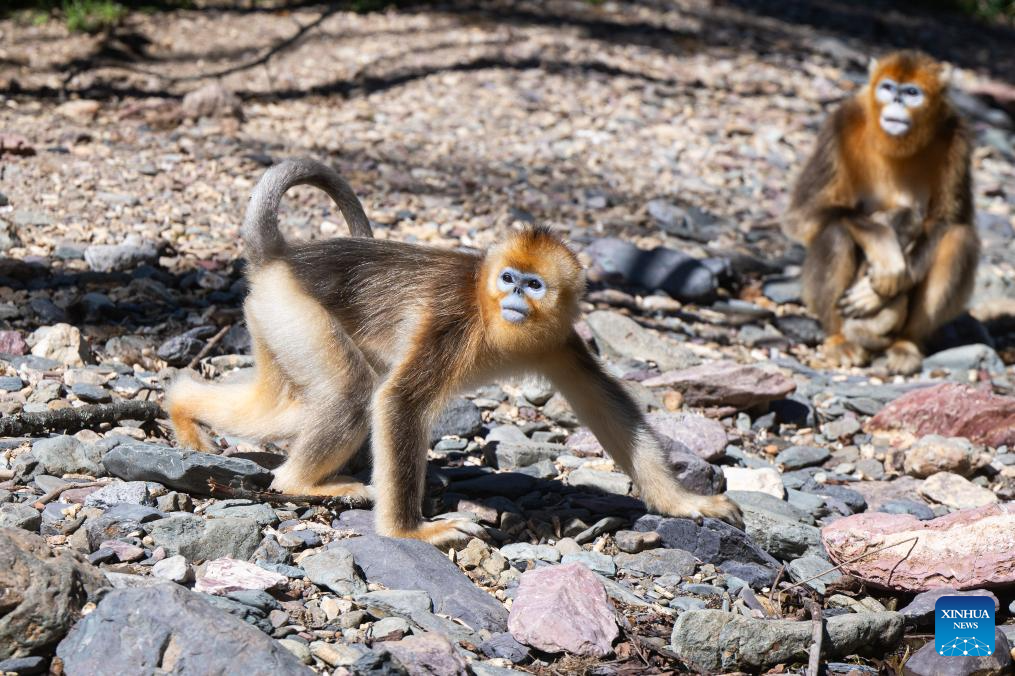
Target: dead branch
x,y
81,418
57,492
339,503
209,346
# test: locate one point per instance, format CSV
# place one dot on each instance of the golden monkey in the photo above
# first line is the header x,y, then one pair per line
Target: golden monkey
x,y
352,335
897,144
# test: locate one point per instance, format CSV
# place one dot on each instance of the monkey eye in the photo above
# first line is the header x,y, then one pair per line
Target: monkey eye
x,y
911,91
535,284
506,278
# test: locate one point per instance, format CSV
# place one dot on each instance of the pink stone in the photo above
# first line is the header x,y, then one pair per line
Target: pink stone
x,y
969,549
705,437
124,551
563,608
225,575
951,410
725,383
11,342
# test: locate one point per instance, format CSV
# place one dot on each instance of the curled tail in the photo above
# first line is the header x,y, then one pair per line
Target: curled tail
x,y
261,236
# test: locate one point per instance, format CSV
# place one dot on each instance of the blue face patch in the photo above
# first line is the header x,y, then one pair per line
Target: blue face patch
x,y
518,287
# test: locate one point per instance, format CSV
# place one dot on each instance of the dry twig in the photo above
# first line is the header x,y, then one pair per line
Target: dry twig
x,y
58,491
817,634
209,346
75,419
338,503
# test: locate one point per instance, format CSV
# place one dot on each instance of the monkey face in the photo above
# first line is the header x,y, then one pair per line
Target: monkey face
x,y
519,289
906,96
897,99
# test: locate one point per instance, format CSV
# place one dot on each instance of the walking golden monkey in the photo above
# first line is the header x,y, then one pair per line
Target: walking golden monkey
x,y
352,335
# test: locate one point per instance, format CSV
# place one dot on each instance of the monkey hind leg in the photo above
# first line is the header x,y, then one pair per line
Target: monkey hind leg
x,y
320,451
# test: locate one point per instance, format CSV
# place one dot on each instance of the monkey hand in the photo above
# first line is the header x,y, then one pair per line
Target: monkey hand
x,y
861,300
889,280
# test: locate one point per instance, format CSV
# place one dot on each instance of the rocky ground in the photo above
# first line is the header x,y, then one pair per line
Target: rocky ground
x,y
125,162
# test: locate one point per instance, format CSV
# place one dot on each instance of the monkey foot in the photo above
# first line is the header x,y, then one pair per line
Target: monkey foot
x,y
697,507
843,353
441,534
337,488
904,358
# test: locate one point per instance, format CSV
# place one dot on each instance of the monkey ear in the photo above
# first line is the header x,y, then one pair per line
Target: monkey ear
x,y
945,73
872,65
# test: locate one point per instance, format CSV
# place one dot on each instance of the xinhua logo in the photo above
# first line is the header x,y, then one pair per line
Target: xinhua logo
x,y
964,625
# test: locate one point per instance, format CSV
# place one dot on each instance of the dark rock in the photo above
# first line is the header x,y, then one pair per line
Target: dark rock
x,y
796,457
249,614
198,539
42,593
712,541
182,469
510,484
918,509
754,574
24,666
659,562
91,394
674,272
168,628
179,350
412,564
782,289
503,645
804,330
118,521
66,455
20,515
459,418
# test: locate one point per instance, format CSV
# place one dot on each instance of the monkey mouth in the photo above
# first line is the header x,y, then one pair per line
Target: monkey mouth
x,y
512,315
894,126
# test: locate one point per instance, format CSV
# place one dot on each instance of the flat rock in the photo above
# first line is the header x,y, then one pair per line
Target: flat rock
x,y
920,611
725,383
20,515
675,272
951,410
806,567
622,337
956,491
226,575
796,457
711,541
412,564
563,608
166,628
927,662
129,492
969,549
782,536
200,539
66,455
43,592
424,654
182,469
118,521
659,562
334,568
712,641
703,436
608,482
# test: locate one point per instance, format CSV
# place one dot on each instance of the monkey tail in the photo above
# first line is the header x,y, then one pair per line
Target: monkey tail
x,y
260,232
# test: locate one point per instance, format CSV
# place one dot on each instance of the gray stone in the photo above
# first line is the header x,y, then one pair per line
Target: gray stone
x,y
711,541
168,628
712,641
20,515
703,436
181,469
132,253
91,394
504,646
693,473
965,358
808,566
174,569
24,666
389,629
412,564
782,289
44,592
632,542
11,384
198,539
783,537
459,418
594,561
428,653
118,521
334,568
66,455
918,509
658,562
770,503
511,455
681,276
621,337
262,513
523,551
129,492
920,611
609,482
179,350
796,457
927,662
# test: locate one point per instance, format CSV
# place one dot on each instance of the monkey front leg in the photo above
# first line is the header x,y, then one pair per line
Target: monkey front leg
x,y
402,408
602,403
